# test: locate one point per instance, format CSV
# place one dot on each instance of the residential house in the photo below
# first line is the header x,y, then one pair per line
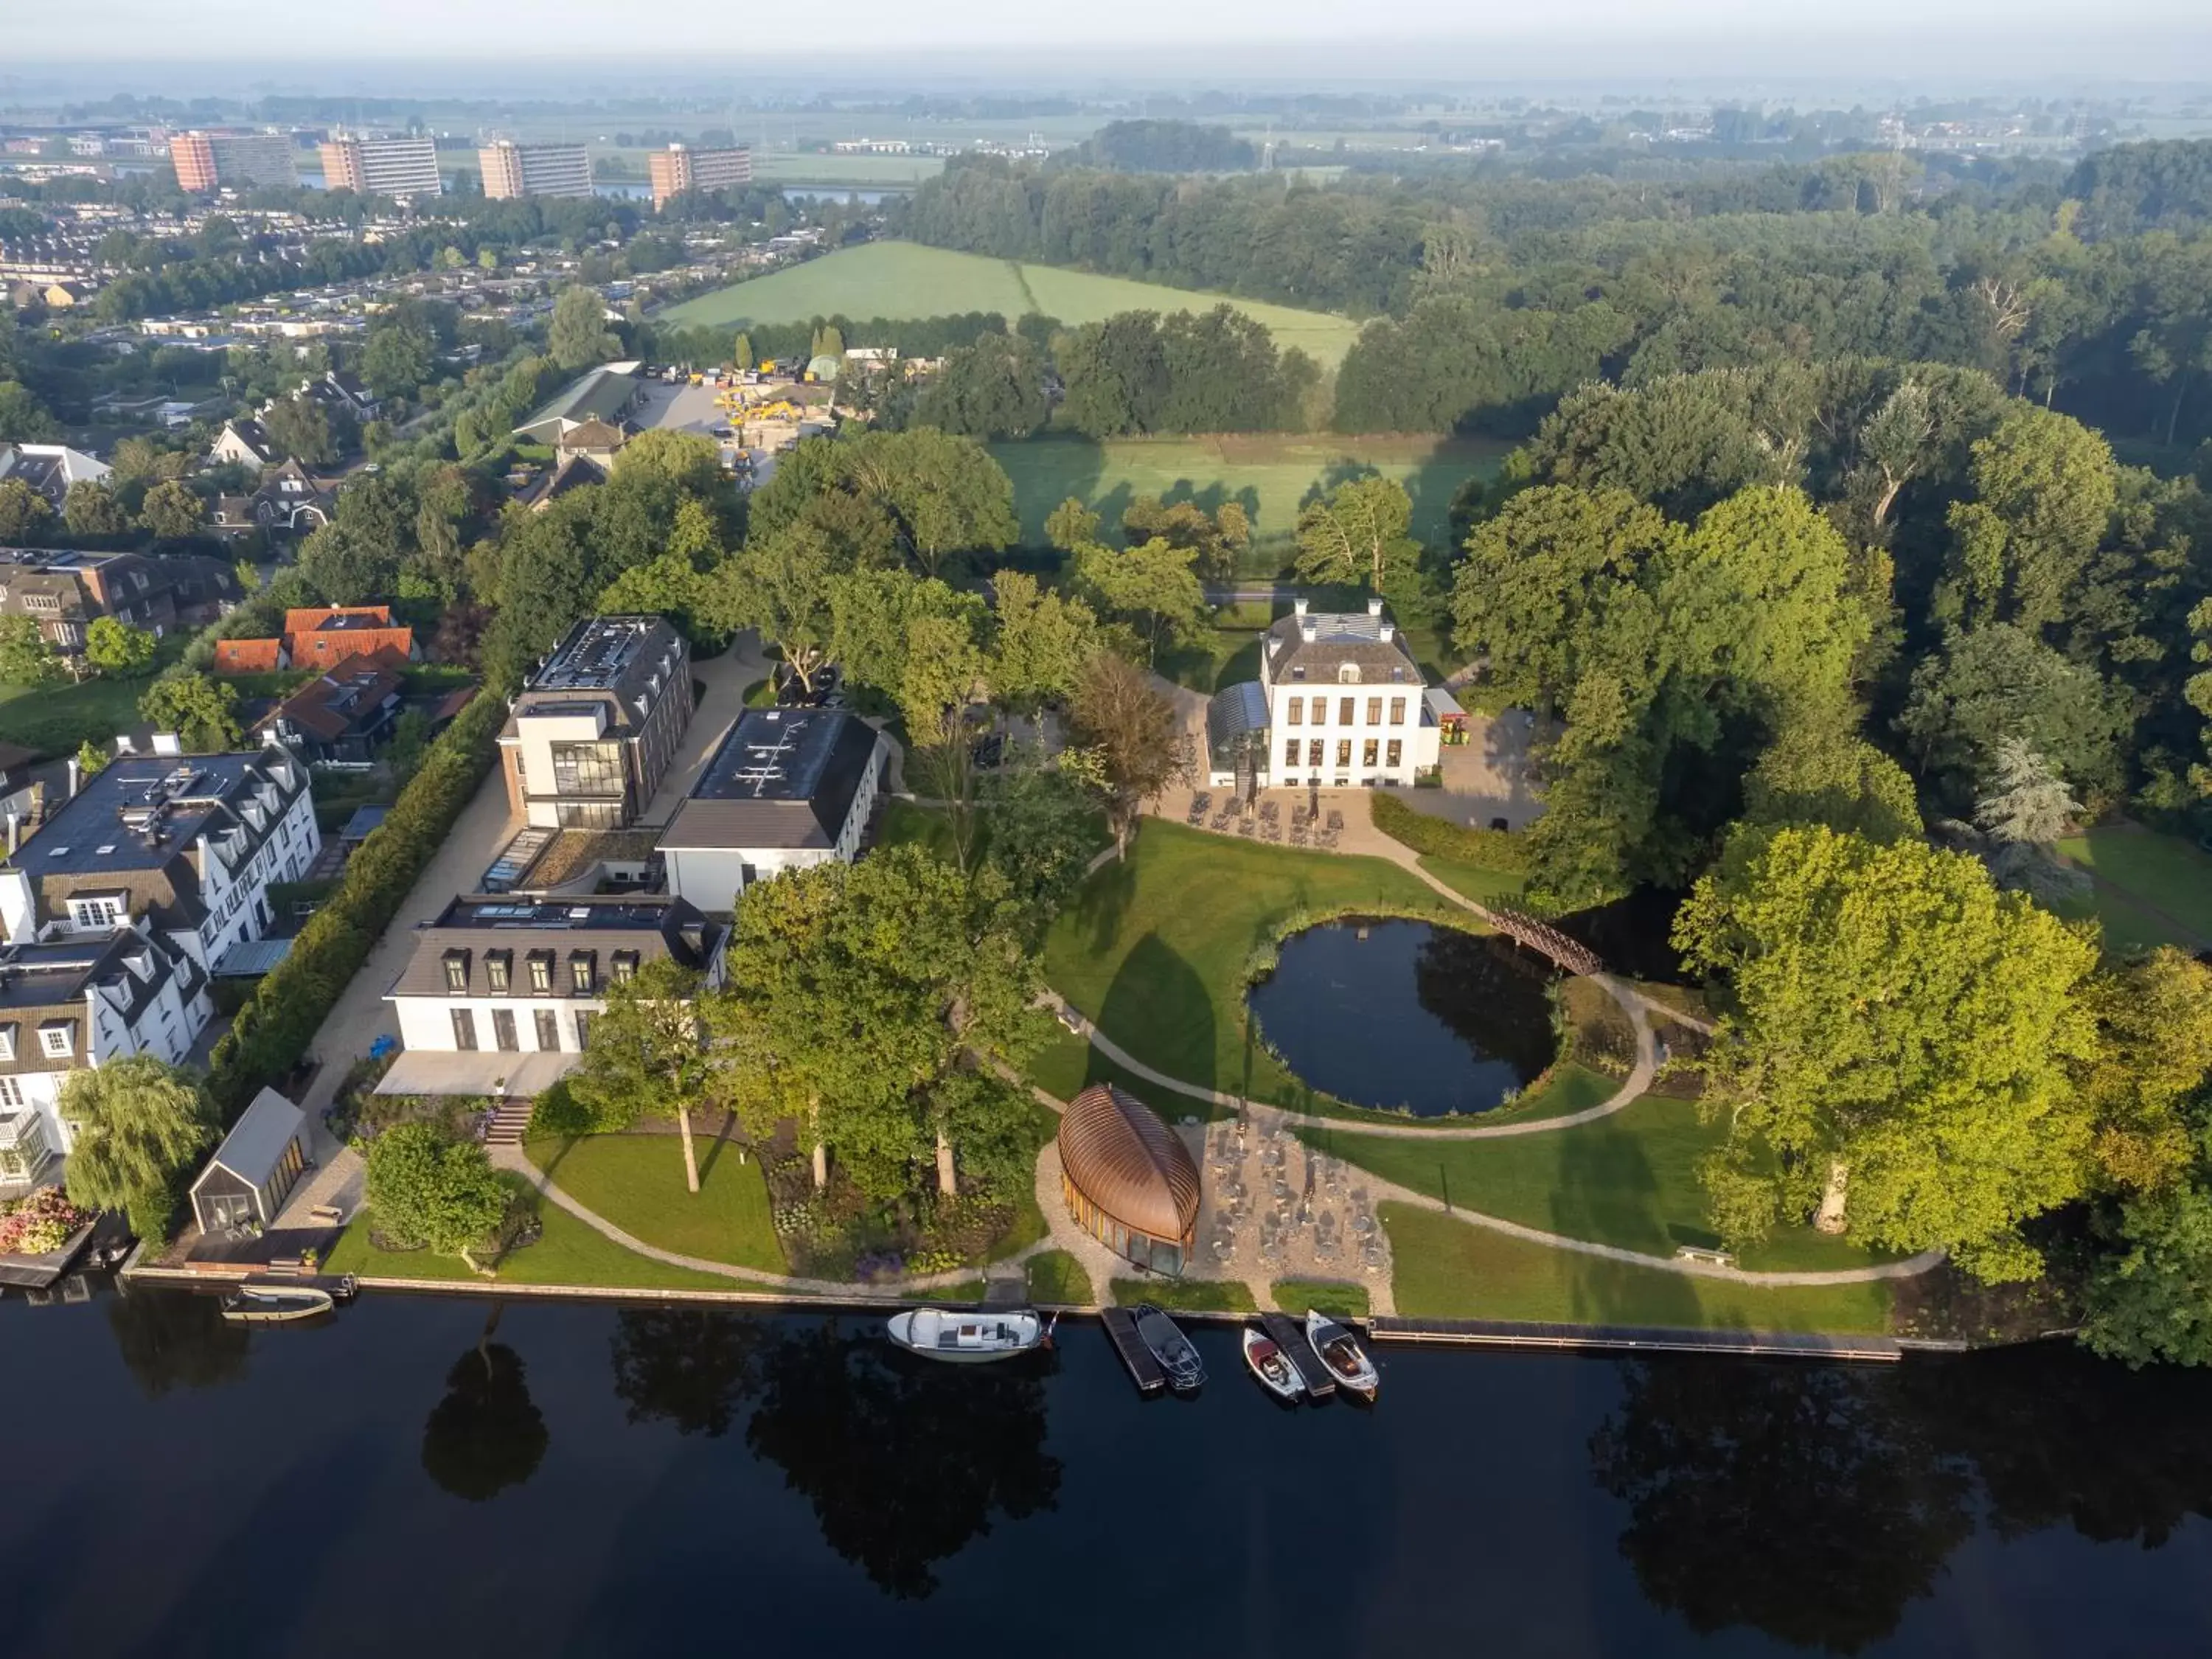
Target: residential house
x,y
245,1183
250,657
188,844
326,636
606,393
243,443
595,441
548,485
789,788
343,716
1340,700
499,993
291,501
50,469
341,393
65,590
597,724
77,1001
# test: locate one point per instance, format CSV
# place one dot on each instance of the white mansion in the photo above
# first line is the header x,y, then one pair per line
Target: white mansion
x,y
1338,701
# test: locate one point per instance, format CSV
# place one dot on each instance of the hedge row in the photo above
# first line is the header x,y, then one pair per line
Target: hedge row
x,y
272,1031
1490,849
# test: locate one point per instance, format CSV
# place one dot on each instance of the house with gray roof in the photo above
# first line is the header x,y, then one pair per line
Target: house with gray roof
x,y
789,788
606,394
245,1183
75,1002
499,992
1339,701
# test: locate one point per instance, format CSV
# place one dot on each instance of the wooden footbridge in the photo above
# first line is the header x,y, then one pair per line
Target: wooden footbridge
x,y
1569,954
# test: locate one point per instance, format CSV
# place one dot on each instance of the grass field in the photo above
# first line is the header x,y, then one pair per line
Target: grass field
x,y
1630,1179
1186,1294
1295,1296
1448,1269
1151,949
570,1253
636,1181
1271,475
1055,1276
2151,889
905,279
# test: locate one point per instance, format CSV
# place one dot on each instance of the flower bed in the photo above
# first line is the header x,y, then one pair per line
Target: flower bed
x,y
41,1224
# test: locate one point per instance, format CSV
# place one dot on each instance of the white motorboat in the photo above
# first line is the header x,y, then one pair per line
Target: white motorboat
x,y
266,1304
1339,1351
1272,1366
967,1339
1186,1371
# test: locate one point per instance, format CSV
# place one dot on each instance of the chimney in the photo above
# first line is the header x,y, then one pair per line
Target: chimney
x,y
13,820
1374,605
1309,631
1389,632
1298,604
168,743
73,769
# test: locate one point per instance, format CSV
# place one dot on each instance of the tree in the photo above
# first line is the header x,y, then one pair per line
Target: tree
x,y
91,509
91,759
1816,773
142,1125
781,584
994,388
1070,526
2145,1085
2045,488
1987,684
429,1191
648,1054
1897,1033
2151,1301
1151,586
23,418
689,460
1044,823
24,515
1039,644
116,648
350,562
171,511
399,358
1215,539
301,428
1359,535
1135,746
741,356
577,337
25,657
2024,810
2197,690
202,711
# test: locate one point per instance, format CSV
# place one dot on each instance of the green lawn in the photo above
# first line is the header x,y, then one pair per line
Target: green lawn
x,y
1448,1269
2151,889
1474,881
1068,1065
966,1289
1630,1179
570,1253
636,1181
1272,475
905,279
1295,1296
1151,949
1186,1294
1058,1277
55,719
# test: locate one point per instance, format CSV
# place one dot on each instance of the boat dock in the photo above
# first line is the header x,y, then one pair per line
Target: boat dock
x,y
1633,1339
1286,1334
1121,1326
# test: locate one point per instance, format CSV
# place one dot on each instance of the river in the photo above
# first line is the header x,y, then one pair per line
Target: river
x,y
419,1478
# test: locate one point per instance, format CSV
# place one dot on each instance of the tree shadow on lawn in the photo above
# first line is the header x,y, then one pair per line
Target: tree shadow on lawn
x,y
1103,902
1604,1189
1159,1010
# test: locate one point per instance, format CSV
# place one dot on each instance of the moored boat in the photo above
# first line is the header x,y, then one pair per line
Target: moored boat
x,y
267,1304
1272,1366
967,1339
1340,1351
1178,1359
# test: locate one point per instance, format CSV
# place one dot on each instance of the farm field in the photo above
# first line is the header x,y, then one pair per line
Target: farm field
x,y
1270,474
904,279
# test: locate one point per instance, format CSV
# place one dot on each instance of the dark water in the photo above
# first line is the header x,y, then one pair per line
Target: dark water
x,y
581,1480
1410,1015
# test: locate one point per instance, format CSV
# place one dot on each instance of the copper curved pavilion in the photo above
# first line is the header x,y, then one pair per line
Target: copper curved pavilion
x,y
1128,1179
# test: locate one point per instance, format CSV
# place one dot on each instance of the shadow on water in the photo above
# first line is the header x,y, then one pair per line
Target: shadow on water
x,y
1633,935
692,1367
487,1434
1156,992
169,1340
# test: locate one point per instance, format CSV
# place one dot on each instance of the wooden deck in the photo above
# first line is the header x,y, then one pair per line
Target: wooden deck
x,y
1288,1334
1121,1326
1632,1339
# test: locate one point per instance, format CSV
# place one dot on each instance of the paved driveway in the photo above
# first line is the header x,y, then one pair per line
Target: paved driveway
x,y
726,678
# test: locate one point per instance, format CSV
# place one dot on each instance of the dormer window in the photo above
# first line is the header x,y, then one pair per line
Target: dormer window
x,y
625,967
96,913
1347,673
58,1037
499,969
541,971
457,970
583,971
8,1042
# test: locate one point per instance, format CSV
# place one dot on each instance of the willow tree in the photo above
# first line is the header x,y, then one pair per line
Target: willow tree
x,y
141,1124
1895,1048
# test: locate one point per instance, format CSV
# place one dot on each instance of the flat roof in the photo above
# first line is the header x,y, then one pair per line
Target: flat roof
x,y
139,813
600,653
783,778
772,754
558,916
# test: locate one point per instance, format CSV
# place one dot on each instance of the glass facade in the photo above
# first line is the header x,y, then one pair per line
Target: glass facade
x,y
1162,1255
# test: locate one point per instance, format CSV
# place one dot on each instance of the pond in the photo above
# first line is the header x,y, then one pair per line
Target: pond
x,y
1405,1014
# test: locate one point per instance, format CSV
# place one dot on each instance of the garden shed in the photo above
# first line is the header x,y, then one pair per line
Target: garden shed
x,y
245,1181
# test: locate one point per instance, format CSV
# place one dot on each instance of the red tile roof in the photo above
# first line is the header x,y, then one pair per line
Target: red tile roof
x,y
248,656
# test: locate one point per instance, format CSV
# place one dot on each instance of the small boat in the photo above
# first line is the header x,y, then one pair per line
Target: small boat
x,y
1273,1366
1186,1371
967,1339
1340,1351
262,1304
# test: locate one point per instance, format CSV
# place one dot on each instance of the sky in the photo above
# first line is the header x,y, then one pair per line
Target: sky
x,y
2150,40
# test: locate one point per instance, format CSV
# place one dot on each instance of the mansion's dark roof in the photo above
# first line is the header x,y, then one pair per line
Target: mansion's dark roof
x,y
1340,637
477,927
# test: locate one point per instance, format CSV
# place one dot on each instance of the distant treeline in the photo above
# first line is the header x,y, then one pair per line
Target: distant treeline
x,y
1162,146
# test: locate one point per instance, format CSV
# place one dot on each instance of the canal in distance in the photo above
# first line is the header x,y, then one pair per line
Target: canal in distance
x,y
583,1481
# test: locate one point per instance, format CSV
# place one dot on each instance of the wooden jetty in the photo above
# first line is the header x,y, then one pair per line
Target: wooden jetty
x,y
1289,1336
1633,1339
1121,1325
